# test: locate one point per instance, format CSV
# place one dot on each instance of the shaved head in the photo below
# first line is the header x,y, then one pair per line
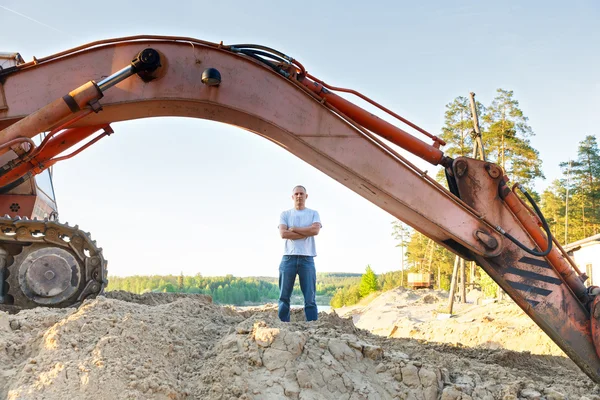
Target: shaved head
x,y
299,187
299,196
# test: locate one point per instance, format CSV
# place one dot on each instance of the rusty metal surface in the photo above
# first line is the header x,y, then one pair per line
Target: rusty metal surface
x,y
532,282
534,285
595,324
14,205
383,128
55,264
46,274
3,104
259,100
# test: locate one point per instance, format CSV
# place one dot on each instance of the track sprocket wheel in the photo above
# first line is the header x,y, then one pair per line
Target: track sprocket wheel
x,y
58,266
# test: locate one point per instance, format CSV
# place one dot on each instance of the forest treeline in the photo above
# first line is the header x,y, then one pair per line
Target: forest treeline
x,y
337,289
229,289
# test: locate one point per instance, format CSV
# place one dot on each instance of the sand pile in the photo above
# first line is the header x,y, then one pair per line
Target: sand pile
x,y
160,346
421,314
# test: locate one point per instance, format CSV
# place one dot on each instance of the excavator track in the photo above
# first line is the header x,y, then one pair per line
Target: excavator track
x,y
48,264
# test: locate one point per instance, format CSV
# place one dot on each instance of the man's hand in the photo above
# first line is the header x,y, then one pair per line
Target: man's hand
x,y
289,233
312,230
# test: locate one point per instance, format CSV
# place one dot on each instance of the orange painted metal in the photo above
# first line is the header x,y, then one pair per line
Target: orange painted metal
x,y
58,129
42,158
532,282
555,257
437,142
49,116
17,205
107,131
595,322
375,124
261,101
27,205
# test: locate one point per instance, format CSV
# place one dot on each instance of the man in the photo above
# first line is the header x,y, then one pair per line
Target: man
x,y
298,227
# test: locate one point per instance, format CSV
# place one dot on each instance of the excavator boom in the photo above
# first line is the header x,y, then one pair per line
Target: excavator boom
x,y
270,94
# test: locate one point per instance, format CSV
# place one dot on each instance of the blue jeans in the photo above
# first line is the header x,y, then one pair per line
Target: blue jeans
x,y
304,267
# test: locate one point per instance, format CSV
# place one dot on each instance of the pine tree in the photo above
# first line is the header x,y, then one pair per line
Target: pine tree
x,y
368,282
458,130
506,140
553,208
401,232
458,127
585,178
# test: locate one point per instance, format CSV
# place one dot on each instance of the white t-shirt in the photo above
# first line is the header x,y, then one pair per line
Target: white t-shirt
x,y
300,219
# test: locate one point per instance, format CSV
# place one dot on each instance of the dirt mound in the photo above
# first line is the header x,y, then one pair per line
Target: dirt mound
x,y
153,299
423,315
160,346
430,299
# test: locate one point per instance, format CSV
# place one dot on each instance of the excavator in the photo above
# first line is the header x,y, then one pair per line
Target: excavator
x,y
51,104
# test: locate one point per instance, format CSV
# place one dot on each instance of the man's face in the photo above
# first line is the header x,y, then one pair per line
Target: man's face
x,y
299,196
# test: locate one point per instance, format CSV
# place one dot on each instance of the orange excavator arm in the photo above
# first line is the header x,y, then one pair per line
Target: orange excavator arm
x,y
78,92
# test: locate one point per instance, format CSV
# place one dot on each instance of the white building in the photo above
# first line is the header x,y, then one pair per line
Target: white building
x,y
586,253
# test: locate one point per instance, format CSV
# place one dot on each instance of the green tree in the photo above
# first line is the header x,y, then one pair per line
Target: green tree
x,y
169,288
180,283
488,286
401,232
585,177
338,298
417,252
391,280
506,140
368,282
458,127
553,208
458,131
352,295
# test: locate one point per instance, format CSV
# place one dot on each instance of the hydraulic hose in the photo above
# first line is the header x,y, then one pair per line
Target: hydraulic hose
x,y
533,252
264,54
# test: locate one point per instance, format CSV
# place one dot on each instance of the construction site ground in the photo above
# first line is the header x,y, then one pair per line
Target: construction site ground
x,y
175,346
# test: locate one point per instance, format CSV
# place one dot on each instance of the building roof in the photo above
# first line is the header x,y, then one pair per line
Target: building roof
x,y
579,243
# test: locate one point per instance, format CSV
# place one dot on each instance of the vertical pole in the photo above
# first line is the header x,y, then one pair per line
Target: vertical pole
x,y
402,255
478,148
567,206
472,272
3,255
478,145
463,283
453,285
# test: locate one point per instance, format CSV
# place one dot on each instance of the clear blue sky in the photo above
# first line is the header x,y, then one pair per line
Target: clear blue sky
x,y
212,205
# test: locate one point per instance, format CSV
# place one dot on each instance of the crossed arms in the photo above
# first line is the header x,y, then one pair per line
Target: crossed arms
x,y
299,233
